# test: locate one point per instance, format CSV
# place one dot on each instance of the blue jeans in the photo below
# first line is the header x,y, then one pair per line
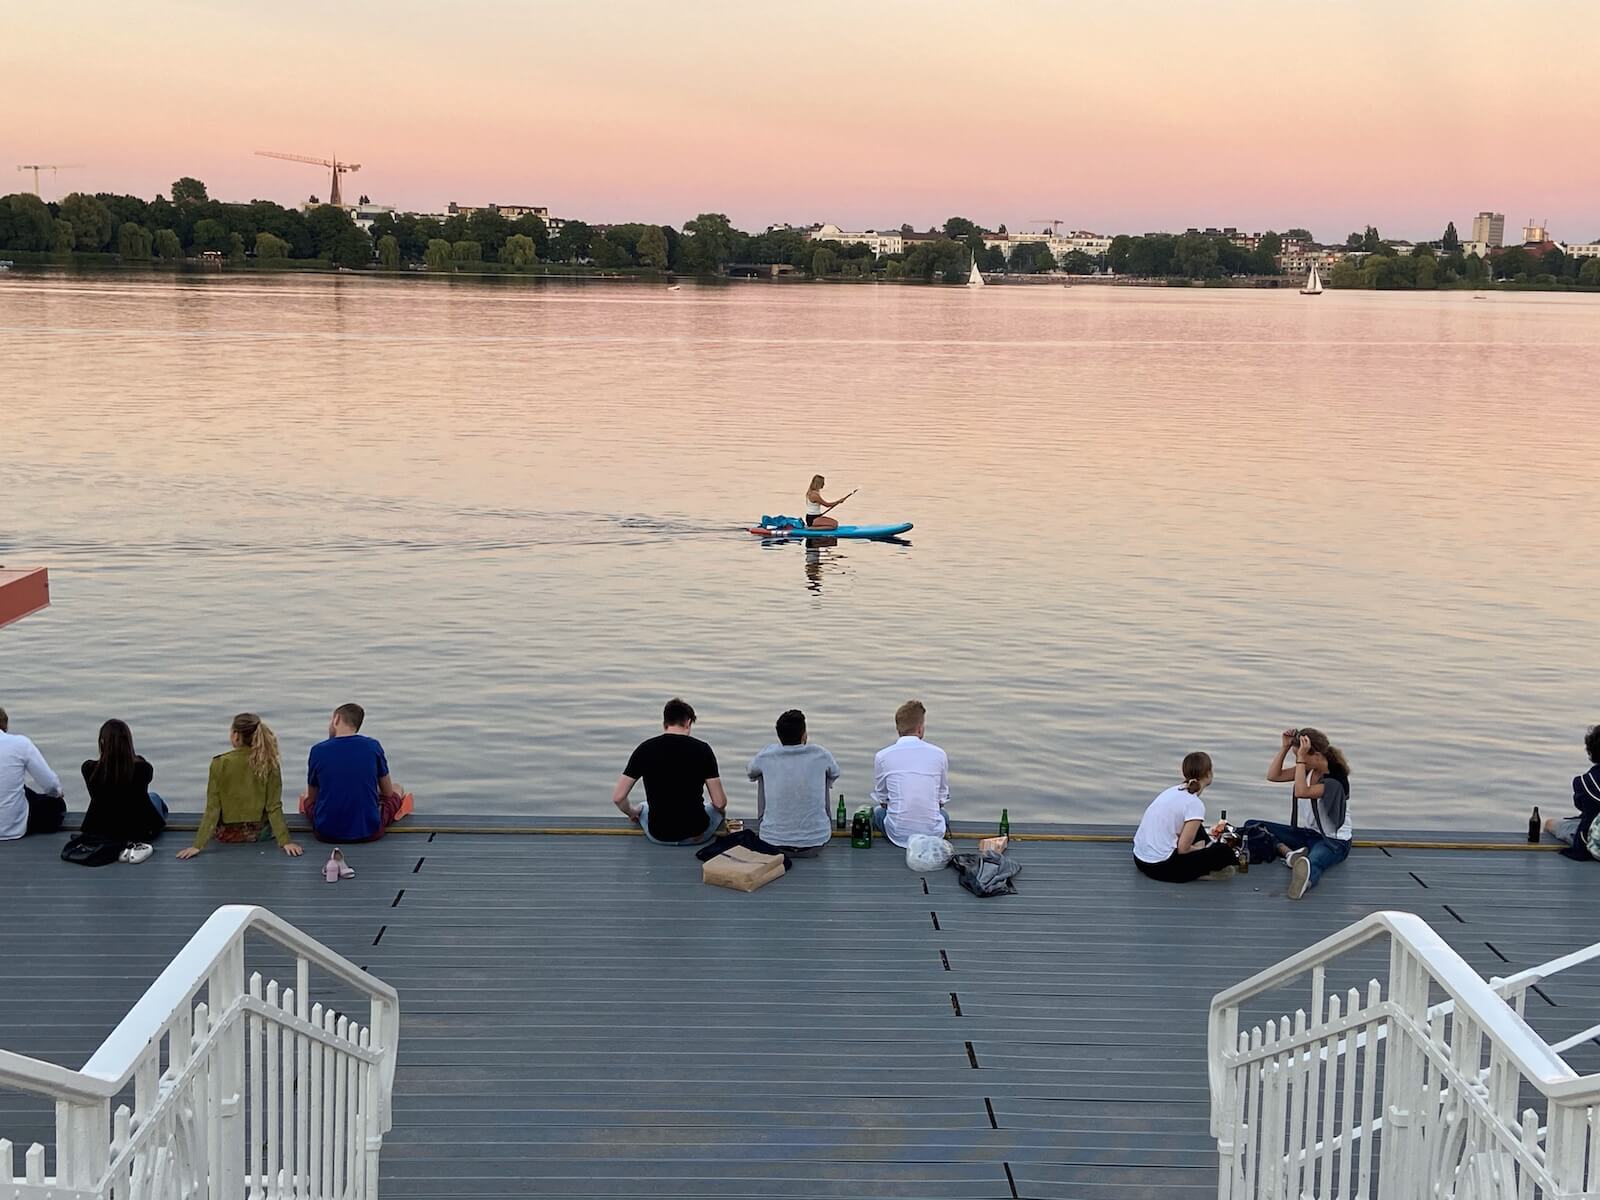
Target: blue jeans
x,y
159,805
713,817
1321,852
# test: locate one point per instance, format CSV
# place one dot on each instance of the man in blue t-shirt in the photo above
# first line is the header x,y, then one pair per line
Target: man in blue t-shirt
x,y
349,794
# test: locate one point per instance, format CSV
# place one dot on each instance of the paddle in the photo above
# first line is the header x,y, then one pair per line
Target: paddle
x,y
845,497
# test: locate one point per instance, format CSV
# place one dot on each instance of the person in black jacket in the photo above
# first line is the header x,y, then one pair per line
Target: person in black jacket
x,y
122,808
1586,799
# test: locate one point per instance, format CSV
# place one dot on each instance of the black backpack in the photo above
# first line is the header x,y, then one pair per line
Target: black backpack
x,y
91,852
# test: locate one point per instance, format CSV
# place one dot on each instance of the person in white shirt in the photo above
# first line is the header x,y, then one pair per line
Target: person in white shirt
x,y
910,781
1172,844
23,810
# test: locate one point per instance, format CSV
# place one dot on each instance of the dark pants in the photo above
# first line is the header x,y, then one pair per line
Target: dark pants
x,y
1321,852
1182,868
45,813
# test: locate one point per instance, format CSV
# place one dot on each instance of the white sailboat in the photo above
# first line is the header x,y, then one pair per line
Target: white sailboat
x,y
976,278
1313,285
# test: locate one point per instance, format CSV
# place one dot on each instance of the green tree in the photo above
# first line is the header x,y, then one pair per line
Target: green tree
x,y
389,252
573,243
1346,274
91,221
1120,250
1553,262
466,251
437,255
652,249
519,251
943,258
270,247
1299,235
824,262
959,229
707,244
26,223
62,241
610,253
992,258
1076,262
188,190
1195,257
1270,244
1371,242
134,241
490,230
167,245
1589,273
1511,262
1426,267
125,208
1031,258
1450,243
1476,270
209,234
531,225
236,247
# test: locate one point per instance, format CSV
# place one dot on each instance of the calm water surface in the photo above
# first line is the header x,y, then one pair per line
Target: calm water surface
x,y
508,519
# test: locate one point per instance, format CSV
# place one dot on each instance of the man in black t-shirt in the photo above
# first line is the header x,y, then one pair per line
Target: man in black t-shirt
x,y
676,768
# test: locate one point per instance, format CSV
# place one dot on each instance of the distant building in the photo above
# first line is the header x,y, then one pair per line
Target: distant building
x,y
509,211
1402,249
1583,250
1481,249
1534,233
1490,229
1302,258
365,214
1059,244
881,243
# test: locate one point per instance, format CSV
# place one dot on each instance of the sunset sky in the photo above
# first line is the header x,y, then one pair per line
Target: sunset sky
x,y
1119,116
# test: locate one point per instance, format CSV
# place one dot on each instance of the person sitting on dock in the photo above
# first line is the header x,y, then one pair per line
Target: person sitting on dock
x,y
122,806
677,768
244,794
1172,843
792,780
1319,830
349,794
910,781
1578,832
23,810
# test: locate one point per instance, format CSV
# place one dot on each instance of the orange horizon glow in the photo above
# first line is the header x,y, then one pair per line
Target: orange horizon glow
x,y
1150,114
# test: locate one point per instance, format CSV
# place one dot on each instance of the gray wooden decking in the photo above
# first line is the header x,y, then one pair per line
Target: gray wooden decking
x,y
581,1017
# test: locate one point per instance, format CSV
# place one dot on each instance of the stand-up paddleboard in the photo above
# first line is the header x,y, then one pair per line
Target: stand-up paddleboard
x,y
778,527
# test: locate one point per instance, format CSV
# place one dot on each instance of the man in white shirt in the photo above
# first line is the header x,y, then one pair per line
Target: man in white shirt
x,y
22,810
910,781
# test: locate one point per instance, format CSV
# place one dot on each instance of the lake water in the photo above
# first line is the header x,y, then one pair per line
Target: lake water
x,y
509,520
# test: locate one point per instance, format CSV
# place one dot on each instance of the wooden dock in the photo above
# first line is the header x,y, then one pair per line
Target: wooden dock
x,y
581,1017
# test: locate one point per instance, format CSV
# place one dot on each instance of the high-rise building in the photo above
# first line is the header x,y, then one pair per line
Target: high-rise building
x,y
1490,229
1532,232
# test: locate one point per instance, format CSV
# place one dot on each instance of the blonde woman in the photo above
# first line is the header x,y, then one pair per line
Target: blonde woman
x,y
816,506
245,792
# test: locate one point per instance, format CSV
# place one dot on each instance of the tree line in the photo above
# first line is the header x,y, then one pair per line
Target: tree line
x,y
1442,264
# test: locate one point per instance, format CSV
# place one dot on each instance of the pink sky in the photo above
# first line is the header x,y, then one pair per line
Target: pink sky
x,y
1119,117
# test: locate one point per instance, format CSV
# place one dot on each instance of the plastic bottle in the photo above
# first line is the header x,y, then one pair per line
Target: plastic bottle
x,y
1533,826
1005,823
841,819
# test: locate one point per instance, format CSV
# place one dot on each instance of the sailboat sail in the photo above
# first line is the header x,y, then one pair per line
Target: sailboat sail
x,y
976,278
1313,285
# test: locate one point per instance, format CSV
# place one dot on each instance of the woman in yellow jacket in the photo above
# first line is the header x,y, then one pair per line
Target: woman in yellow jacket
x,y
245,791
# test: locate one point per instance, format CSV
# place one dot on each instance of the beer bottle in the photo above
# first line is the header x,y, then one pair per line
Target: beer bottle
x,y
1005,823
841,821
1533,825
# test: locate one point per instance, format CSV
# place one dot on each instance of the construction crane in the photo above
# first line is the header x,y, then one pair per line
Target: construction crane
x,y
333,164
52,167
1055,223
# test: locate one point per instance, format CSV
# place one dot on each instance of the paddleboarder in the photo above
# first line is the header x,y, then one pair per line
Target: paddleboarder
x,y
816,506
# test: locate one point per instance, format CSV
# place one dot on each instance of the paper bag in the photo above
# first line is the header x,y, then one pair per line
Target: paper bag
x,y
742,869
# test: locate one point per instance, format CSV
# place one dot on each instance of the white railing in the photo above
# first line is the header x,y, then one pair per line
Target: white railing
x,y
252,1092
1434,1086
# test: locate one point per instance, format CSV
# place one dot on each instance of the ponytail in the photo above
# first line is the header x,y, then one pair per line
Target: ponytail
x,y
263,743
1196,770
1338,765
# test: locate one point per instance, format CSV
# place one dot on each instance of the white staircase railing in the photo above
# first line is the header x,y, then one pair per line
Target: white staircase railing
x,y
253,1091
1432,1086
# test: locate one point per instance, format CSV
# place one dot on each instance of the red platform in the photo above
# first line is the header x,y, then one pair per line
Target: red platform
x,y
22,592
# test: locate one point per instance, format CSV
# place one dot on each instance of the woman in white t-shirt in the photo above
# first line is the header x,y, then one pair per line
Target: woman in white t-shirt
x,y
1172,844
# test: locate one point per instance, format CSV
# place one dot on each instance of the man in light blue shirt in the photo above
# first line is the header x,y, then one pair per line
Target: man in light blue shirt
x,y
792,779
23,810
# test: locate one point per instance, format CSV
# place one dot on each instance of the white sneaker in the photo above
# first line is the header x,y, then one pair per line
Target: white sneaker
x,y
1299,874
136,852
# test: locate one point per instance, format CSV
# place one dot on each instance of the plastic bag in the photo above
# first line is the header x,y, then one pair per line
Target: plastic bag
x,y
924,852
987,874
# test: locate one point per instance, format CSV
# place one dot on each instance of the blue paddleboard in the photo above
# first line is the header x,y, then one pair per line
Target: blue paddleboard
x,y
794,527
